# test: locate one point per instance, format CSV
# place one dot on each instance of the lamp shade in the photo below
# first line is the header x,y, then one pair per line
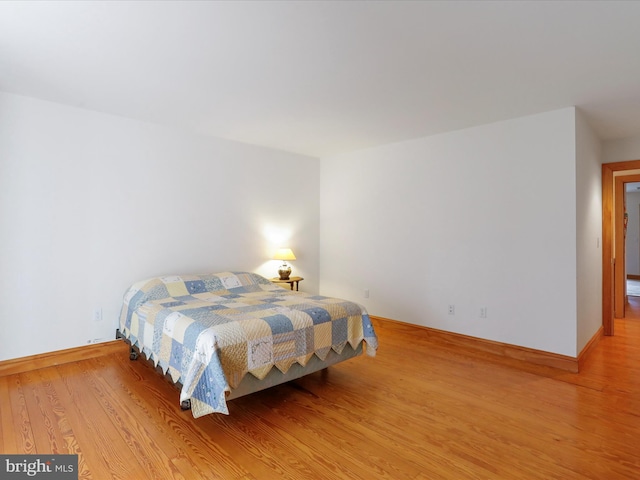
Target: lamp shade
x,y
284,254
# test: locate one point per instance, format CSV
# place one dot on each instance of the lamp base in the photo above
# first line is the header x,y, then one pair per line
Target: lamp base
x,y
284,271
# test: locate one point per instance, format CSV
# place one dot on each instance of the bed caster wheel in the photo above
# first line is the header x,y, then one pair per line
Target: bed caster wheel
x,y
185,405
133,355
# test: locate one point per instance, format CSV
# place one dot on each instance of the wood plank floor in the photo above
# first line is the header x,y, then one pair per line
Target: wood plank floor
x,y
421,409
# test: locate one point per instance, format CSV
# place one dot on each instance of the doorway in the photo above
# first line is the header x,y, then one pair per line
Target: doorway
x,y
614,178
632,240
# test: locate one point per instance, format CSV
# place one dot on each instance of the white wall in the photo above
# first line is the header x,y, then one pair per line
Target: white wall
x,y
482,217
498,216
621,150
90,203
588,231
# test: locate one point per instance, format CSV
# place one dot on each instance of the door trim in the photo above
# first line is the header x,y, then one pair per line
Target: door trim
x,y
613,178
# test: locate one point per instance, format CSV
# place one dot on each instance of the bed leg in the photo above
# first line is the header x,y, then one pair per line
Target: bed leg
x,y
185,405
133,354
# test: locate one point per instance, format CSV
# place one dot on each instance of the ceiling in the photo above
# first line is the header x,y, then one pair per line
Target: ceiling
x,y
325,77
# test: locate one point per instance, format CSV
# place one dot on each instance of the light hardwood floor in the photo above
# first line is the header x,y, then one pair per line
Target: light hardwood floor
x,y
421,409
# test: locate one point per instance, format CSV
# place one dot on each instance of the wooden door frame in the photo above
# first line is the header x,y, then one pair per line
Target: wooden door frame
x,y
614,176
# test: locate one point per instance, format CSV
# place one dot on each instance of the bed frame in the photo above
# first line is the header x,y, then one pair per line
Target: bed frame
x,y
251,384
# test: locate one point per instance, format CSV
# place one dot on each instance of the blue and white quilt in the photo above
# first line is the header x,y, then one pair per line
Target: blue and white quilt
x,y
209,331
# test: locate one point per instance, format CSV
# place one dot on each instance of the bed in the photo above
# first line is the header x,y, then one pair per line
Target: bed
x,y
220,336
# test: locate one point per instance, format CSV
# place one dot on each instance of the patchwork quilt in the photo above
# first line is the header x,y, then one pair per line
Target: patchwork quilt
x,y
209,331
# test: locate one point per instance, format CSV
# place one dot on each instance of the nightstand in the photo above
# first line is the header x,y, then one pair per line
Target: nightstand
x,y
290,281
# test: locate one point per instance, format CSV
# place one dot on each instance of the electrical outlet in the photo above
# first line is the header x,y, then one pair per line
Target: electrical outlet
x,y
97,314
452,310
366,293
483,312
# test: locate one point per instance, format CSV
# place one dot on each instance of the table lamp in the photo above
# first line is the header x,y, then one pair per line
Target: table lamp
x,y
284,254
